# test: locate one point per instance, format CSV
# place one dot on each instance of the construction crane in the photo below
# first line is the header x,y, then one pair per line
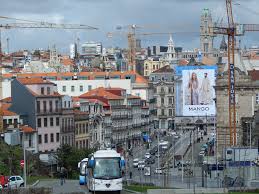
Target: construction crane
x,y
232,30
131,37
31,25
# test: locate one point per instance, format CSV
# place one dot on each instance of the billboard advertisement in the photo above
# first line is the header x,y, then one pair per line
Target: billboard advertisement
x,y
197,92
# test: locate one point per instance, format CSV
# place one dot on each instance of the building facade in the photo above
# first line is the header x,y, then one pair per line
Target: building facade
x,y
67,128
39,106
162,82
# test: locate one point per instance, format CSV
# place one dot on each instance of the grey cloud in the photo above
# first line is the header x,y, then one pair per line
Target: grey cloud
x,y
167,15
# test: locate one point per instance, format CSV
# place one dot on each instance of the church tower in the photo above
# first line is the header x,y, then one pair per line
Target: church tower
x,y
170,54
206,35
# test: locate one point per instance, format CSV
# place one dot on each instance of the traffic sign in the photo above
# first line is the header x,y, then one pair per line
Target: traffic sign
x,y
22,163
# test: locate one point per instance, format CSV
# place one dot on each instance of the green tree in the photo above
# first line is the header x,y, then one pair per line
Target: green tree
x,y
68,157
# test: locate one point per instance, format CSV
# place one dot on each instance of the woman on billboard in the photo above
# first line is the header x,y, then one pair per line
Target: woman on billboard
x,y
193,90
205,90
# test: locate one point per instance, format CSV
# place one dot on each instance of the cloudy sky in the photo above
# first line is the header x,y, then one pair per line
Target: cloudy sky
x,y
152,15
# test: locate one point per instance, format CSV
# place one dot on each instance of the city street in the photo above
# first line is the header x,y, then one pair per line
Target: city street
x,y
71,186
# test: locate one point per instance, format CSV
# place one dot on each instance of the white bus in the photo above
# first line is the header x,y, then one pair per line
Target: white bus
x,y
82,165
105,170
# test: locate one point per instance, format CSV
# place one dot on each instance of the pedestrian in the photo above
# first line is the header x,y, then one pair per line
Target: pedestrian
x,y
130,175
62,176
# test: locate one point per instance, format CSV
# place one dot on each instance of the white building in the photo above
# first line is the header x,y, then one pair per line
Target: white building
x,y
92,48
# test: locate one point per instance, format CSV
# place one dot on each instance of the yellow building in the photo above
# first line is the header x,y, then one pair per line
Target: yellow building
x,y
153,64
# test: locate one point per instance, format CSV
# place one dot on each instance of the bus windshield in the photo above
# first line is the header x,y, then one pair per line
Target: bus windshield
x,y
83,168
107,168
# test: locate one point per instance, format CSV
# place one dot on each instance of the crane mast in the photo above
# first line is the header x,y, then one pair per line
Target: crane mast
x,y
231,73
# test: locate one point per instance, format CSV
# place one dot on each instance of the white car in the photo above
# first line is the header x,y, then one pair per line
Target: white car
x,y
147,155
141,165
135,162
158,171
15,182
202,153
1,187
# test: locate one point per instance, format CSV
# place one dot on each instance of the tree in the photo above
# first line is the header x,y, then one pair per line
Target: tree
x,y
68,157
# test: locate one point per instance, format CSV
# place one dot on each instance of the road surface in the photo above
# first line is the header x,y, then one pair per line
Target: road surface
x,y
70,186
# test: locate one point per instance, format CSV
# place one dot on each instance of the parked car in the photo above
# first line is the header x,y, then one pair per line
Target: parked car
x,y
135,162
150,160
1,187
147,155
15,182
141,165
202,153
158,171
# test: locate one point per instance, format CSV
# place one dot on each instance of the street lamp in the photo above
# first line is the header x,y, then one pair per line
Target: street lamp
x,y
25,145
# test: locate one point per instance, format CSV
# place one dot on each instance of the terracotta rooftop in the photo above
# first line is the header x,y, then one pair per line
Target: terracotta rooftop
x,y
165,69
27,129
101,92
7,100
5,110
67,62
32,81
90,75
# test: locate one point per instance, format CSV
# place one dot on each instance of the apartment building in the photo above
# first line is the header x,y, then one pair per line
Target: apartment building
x,y
126,114
82,131
39,106
76,84
162,82
67,128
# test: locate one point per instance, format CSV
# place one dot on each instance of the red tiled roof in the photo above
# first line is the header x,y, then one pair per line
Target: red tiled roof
x,y
90,75
101,92
32,81
6,100
67,62
8,113
27,129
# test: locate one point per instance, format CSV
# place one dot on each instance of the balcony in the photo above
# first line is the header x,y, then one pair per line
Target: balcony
x,y
47,112
114,117
162,116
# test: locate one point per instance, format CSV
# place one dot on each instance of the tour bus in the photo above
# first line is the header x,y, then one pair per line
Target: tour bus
x,y
83,171
105,171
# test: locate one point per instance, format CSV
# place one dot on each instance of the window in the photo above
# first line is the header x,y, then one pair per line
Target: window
x,y
89,87
50,106
169,90
51,122
44,106
42,90
64,88
154,67
162,112
38,106
57,121
72,88
162,101
45,122
57,137
170,101
170,112
39,122
56,105
65,104
48,90
162,90
18,178
257,98
52,137
81,88
39,139
46,138
69,106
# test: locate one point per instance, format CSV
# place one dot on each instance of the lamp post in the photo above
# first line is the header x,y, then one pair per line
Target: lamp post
x,y
250,129
25,145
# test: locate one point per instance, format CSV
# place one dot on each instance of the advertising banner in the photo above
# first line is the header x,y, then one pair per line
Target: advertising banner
x,y
198,92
